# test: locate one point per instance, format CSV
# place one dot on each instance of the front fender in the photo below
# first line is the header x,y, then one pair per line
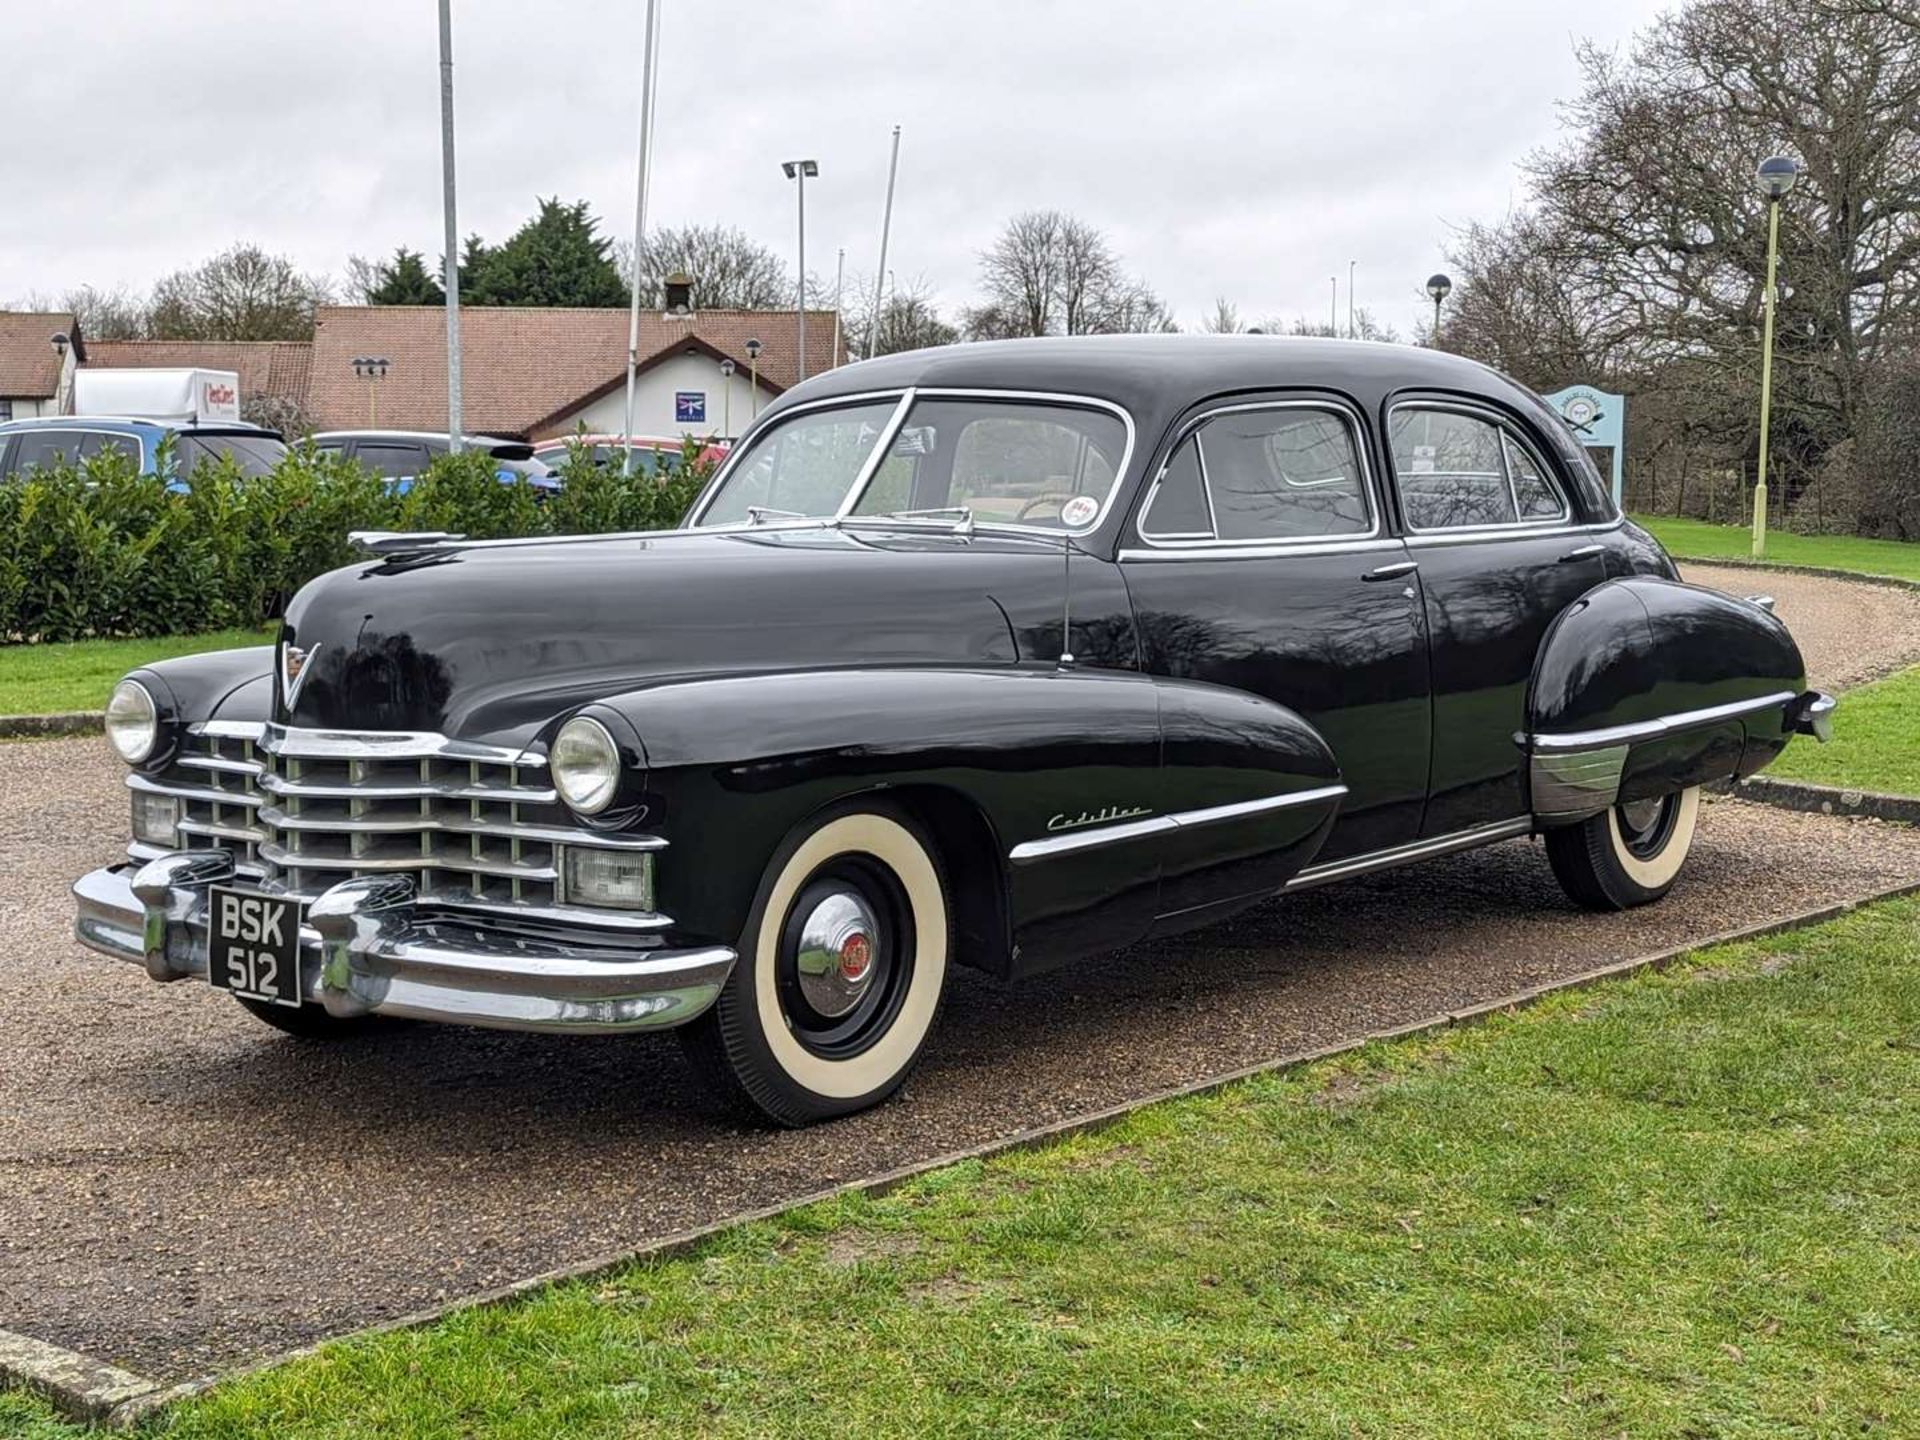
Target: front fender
x,y
1063,767
1646,685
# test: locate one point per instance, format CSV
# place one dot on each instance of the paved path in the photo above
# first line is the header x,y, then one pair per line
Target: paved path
x,y
182,1189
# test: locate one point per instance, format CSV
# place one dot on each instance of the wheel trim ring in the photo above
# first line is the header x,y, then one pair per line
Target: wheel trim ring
x,y
881,1063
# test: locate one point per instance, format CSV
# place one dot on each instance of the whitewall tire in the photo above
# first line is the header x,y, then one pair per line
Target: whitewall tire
x,y
1630,855
842,969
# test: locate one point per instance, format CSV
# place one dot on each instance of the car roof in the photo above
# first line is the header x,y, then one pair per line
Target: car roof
x,y
470,436
136,423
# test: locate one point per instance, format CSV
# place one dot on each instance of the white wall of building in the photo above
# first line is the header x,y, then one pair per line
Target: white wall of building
x,y
655,407
28,409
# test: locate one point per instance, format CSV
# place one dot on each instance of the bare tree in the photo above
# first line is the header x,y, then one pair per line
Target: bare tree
x,y
909,318
1225,319
240,294
116,314
1050,273
729,270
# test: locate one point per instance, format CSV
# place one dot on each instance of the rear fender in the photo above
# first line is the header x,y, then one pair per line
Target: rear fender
x,y
1645,686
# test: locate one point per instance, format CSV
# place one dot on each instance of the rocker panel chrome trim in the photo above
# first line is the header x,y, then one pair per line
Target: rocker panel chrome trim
x,y
1407,854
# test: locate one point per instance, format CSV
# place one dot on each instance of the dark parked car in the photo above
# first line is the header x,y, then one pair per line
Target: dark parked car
x,y
401,455
29,444
996,655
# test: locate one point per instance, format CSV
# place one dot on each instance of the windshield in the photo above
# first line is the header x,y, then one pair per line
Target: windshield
x,y
1006,461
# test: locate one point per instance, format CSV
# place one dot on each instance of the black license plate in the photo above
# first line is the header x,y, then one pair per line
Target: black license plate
x,y
253,945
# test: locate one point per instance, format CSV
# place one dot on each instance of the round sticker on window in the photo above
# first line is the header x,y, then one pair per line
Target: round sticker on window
x,y
1079,511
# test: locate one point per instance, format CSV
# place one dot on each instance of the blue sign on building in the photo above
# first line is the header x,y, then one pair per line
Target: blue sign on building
x,y
690,407
1598,420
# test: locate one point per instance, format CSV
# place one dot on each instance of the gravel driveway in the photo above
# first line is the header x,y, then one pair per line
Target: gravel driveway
x,y
182,1189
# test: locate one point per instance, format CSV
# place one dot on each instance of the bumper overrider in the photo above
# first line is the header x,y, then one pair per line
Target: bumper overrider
x,y
371,946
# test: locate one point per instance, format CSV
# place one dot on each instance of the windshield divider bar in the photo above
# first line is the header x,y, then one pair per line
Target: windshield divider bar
x,y
876,457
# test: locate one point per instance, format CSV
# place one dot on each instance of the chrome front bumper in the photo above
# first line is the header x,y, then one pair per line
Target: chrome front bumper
x,y
368,948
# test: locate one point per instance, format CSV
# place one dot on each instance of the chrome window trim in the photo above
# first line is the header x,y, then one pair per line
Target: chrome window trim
x,y
1653,729
1356,432
1239,550
1427,538
1502,426
908,396
1397,855
1029,851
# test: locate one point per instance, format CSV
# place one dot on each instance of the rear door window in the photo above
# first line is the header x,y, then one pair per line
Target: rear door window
x,y
1461,471
103,441
1274,473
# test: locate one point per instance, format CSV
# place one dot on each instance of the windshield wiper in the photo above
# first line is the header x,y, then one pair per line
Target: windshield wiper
x,y
757,513
961,515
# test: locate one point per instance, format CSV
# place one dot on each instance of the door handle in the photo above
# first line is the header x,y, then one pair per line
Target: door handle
x,y
1583,552
1393,571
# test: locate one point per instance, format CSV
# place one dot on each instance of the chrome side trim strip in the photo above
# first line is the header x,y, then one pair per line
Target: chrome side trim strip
x,y
1257,550
1572,784
1406,854
1030,850
1653,729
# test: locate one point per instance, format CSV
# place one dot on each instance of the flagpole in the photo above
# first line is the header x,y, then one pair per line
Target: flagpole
x,y
645,165
886,229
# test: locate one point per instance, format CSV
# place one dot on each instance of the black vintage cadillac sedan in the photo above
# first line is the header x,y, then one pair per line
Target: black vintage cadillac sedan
x,y
995,655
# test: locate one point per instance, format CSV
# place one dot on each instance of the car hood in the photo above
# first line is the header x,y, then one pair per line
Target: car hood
x,y
494,642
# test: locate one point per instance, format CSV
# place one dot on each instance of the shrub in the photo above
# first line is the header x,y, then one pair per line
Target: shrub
x,y
100,549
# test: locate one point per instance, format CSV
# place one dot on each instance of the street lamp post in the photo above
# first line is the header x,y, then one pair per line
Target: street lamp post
x,y
726,401
753,379
62,398
1776,176
1352,265
801,171
371,368
1439,287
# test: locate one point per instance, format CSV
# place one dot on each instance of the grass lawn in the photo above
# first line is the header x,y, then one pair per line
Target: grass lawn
x,y
1832,552
1876,741
45,679
1682,1205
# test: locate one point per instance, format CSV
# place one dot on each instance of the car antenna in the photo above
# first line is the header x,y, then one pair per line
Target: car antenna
x,y
1078,511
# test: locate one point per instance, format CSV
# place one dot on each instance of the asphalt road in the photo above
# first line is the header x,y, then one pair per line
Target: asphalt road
x,y
182,1189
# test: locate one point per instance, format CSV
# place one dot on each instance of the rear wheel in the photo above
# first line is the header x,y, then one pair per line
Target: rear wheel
x,y
308,1022
1629,855
842,969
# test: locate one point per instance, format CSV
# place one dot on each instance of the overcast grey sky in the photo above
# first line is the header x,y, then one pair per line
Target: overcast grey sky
x,y
1228,147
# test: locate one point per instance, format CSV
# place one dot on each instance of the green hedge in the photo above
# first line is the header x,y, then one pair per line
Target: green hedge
x,y
99,549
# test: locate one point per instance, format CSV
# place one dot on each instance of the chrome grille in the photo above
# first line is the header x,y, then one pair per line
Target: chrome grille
x,y
302,810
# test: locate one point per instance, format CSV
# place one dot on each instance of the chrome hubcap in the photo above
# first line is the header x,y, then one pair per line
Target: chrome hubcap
x,y
1641,816
836,954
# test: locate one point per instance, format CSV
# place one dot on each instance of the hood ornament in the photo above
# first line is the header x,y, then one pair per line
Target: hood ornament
x,y
294,666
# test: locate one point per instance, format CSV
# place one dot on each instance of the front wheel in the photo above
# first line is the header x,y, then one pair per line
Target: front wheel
x,y
842,968
308,1022
1629,855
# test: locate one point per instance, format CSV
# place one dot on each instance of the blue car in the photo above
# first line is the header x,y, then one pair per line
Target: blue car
x,y
29,444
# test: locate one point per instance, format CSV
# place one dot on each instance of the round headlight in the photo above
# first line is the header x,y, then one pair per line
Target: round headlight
x,y
585,764
133,722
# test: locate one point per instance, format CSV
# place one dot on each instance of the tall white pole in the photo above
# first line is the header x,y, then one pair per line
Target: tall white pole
x,y
1351,266
886,228
453,226
643,168
800,313
839,293
1333,307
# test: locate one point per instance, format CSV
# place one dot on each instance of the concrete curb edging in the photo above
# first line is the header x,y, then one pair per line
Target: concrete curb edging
x,y
78,1386
1829,800
1774,567
44,727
